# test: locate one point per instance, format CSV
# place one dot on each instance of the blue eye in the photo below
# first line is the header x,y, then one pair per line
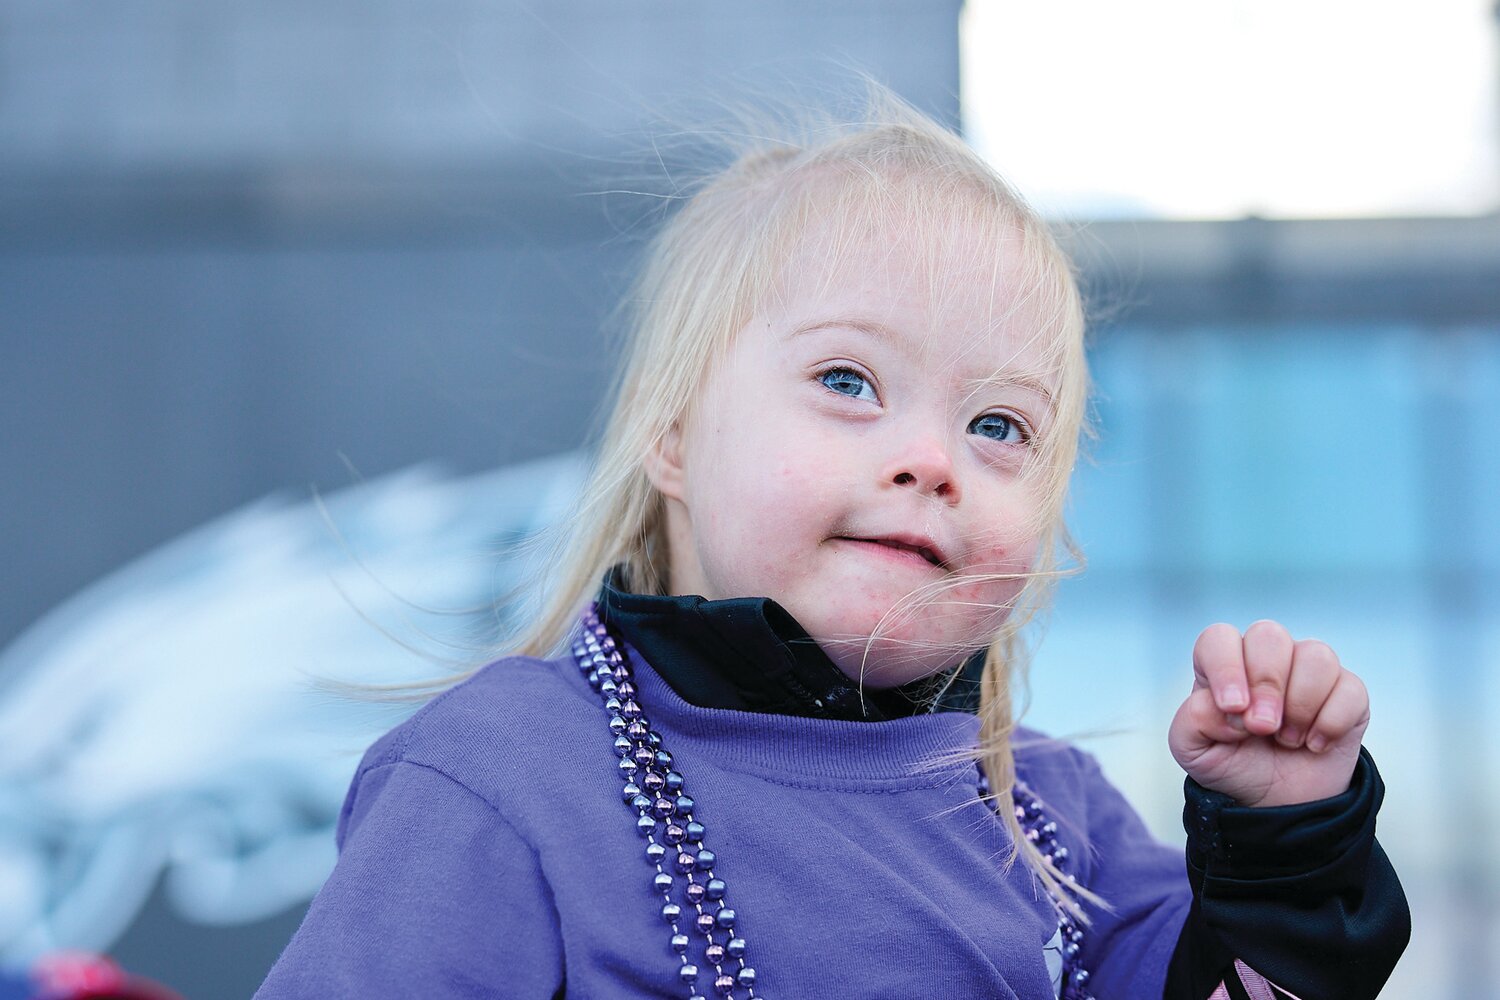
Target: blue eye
x,y
847,382
999,427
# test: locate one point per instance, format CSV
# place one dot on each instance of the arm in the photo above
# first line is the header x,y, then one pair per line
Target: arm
x,y
434,895
1281,817
1302,894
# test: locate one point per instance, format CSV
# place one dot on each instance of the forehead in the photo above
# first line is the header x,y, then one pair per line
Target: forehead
x,y
965,289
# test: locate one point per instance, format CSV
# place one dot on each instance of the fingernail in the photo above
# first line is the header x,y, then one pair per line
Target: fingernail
x,y
1263,714
1291,736
1316,743
1234,697
1236,721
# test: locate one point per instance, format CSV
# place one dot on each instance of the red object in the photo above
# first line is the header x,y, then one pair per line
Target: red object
x,y
81,975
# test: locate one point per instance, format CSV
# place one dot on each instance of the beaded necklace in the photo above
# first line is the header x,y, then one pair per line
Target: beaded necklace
x,y
655,791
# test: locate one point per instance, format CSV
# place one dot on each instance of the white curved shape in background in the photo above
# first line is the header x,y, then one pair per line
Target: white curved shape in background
x,y
168,721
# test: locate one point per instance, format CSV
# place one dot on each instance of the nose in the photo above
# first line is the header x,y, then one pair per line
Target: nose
x,y
925,466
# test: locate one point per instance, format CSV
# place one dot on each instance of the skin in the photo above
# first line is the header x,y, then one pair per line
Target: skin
x,y
845,409
868,399
1271,720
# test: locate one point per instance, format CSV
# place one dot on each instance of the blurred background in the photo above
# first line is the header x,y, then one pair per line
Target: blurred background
x,y
297,298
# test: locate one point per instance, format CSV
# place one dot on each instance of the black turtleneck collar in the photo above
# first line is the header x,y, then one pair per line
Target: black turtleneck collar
x,y
750,654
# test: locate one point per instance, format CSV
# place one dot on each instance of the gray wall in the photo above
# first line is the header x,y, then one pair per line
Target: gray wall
x,y
240,245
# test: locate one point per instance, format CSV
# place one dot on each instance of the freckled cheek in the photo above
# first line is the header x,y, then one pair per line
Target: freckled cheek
x,y
1011,557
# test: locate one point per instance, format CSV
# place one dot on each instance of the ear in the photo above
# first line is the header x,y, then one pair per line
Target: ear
x,y
664,464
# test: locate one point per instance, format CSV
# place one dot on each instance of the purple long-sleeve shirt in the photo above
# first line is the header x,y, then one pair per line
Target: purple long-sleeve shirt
x,y
485,851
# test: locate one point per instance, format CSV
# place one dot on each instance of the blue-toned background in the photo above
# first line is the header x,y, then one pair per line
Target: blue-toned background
x,y
290,250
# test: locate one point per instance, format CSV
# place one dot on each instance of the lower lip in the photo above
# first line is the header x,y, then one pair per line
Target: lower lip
x,y
904,556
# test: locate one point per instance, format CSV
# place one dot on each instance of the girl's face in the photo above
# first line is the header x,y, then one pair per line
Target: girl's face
x,y
857,454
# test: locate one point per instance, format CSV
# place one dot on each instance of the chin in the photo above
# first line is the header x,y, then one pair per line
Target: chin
x,y
900,652
912,641
896,657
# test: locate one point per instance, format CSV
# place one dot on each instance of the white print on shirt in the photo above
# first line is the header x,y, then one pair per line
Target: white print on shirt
x,y
1052,951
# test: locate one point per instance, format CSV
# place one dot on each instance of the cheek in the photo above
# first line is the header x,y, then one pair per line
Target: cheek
x,y
1005,559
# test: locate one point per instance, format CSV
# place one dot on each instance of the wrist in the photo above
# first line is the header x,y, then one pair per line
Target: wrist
x,y
1278,839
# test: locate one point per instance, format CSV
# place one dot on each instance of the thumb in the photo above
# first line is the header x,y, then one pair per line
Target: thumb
x,y
1199,726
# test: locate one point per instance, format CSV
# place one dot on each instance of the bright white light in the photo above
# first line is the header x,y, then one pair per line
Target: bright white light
x,y
1280,108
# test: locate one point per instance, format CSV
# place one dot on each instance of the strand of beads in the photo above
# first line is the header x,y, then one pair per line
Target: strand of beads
x,y
1042,832
655,791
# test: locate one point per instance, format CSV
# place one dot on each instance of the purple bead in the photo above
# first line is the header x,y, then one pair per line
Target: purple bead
x,y
626,689
637,731
642,757
705,922
653,782
724,985
675,834
630,710
662,808
695,892
685,862
714,953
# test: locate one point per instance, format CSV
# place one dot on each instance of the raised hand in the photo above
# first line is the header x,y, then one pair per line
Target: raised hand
x,y
1271,720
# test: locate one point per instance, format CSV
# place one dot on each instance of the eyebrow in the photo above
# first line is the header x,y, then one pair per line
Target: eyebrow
x,y
1005,378
1014,379
867,326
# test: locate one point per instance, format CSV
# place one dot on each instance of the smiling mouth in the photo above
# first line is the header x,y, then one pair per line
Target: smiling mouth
x,y
890,543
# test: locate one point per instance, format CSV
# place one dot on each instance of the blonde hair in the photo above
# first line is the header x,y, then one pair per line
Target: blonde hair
x,y
708,268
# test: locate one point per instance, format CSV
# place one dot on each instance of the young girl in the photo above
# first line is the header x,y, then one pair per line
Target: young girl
x,y
756,762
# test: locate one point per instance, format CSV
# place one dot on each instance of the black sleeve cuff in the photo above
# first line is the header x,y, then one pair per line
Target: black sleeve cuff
x,y
1303,894
1245,842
